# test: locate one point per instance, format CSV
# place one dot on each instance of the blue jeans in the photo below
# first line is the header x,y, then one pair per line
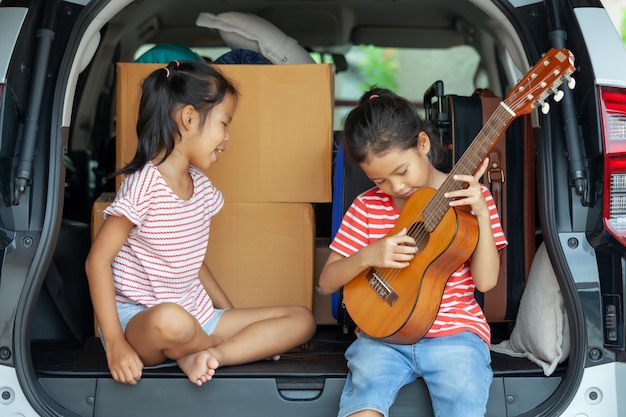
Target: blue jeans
x,y
456,370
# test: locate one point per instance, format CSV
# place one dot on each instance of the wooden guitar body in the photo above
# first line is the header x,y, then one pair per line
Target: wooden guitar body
x,y
400,305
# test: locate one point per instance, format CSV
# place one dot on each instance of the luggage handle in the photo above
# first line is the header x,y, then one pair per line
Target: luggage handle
x,y
442,121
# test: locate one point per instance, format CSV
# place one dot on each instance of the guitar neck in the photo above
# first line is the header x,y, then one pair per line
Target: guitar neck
x,y
480,147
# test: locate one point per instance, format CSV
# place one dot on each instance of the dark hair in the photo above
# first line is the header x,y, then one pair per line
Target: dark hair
x,y
383,121
163,92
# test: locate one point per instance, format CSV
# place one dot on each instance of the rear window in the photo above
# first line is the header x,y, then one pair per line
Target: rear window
x,y
409,72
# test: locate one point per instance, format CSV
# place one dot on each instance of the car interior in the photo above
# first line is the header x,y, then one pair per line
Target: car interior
x,y
456,60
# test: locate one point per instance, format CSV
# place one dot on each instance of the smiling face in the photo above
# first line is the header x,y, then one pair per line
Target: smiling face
x,y
400,173
211,137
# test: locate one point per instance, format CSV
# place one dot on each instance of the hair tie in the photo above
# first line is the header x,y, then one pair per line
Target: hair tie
x,y
373,96
167,72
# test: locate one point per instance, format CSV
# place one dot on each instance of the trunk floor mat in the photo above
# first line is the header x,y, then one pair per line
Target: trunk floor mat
x,y
322,356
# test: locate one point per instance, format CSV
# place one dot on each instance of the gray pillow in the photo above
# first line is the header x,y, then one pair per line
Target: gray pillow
x,y
541,331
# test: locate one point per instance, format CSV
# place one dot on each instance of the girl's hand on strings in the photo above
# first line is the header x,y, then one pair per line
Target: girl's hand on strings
x,y
394,251
471,195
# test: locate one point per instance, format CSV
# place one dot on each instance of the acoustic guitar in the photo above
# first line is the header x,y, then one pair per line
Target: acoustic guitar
x,y
399,305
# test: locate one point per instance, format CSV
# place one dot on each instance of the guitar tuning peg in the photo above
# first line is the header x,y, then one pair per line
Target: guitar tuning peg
x,y
558,95
545,108
571,82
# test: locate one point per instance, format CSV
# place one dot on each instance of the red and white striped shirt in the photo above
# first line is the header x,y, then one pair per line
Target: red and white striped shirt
x,y
373,214
161,257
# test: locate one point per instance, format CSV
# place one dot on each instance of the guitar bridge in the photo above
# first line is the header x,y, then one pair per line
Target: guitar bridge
x,y
382,288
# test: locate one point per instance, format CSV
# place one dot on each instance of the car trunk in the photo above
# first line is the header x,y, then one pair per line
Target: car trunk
x,y
306,381
65,364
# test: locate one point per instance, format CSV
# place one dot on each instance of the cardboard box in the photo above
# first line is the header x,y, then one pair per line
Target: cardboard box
x,y
262,253
281,136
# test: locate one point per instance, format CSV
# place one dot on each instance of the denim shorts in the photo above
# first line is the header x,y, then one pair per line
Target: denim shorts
x,y
125,312
456,369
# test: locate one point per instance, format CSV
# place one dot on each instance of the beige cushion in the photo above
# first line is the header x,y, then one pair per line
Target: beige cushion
x,y
541,331
247,31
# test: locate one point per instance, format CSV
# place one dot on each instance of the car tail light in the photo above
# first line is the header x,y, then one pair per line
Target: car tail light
x,y
613,108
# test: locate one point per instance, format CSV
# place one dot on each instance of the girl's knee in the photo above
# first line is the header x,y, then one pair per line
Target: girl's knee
x,y
304,315
173,322
301,311
307,321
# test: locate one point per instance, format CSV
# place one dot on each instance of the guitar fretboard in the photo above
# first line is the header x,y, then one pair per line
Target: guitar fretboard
x,y
480,147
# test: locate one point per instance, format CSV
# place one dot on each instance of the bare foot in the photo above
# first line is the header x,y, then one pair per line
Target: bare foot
x,y
199,367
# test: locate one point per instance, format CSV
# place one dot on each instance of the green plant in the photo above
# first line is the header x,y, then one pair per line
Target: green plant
x,y
379,67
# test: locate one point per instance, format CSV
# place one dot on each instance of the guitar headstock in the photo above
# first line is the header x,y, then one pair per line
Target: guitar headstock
x,y
543,80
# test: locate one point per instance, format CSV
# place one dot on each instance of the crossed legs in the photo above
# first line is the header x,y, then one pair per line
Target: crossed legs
x,y
241,336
